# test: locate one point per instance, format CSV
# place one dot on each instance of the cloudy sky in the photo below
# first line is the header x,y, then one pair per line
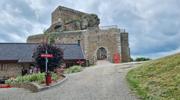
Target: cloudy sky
x,y
153,25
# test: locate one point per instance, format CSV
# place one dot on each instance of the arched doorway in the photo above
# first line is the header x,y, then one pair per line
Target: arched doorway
x,y
101,54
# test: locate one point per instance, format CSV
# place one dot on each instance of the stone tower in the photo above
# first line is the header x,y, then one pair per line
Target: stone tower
x,y
98,43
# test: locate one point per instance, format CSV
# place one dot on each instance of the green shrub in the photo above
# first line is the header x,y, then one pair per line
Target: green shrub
x,y
73,69
38,77
54,76
142,59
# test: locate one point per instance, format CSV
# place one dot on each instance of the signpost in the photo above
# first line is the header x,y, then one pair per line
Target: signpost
x,y
46,56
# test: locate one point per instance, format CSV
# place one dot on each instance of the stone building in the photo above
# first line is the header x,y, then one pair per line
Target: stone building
x,y
15,56
98,43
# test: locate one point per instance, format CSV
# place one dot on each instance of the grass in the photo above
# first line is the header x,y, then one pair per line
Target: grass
x,y
157,80
73,69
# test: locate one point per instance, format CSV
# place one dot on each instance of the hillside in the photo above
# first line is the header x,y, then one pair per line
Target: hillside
x,y
158,79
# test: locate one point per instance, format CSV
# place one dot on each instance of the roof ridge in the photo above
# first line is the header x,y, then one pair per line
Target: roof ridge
x,y
18,43
41,43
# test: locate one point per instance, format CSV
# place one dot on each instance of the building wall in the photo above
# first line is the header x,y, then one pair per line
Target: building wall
x,y
11,69
67,37
125,55
113,40
68,18
65,14
70,38
35,39
102,38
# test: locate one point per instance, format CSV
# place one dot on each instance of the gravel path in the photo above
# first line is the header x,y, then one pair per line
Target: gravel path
x,y
105,81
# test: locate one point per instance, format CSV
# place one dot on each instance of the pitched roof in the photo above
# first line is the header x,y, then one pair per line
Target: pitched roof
x,y
22,52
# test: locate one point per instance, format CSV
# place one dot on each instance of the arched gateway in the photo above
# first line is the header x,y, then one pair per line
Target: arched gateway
x,y
101,54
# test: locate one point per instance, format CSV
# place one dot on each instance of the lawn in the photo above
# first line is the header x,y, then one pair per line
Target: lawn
x,y
157,80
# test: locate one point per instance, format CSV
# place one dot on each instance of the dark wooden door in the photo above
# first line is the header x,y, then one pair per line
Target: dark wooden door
x,y
101,54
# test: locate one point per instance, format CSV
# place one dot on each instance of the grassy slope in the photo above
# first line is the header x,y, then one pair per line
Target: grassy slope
x,y
157,79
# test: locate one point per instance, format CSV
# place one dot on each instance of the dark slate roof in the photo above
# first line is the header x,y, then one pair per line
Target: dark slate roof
x,y
22,52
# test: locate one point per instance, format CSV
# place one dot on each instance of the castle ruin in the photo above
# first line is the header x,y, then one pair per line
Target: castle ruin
x,y
97,43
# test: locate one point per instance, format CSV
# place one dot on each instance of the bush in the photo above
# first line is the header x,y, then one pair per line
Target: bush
x,y
54,76
142,59
73,69
38,78
131,59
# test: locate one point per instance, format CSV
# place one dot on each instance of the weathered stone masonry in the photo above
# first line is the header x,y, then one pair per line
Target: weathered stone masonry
x,y
72,26
12,69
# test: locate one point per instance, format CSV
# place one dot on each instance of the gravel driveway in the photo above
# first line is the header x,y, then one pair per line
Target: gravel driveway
x,y
105,81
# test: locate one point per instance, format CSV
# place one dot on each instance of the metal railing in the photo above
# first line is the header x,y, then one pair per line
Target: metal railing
x,y
111,27
108,27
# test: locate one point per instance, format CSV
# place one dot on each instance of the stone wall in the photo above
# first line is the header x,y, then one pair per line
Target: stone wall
x,y
66,37
69,37
64,14
66,19
11,69
102,38
125,50
112,39
35,39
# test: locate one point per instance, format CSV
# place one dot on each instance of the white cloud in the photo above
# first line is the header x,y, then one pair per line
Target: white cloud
x,y
153,25
157,55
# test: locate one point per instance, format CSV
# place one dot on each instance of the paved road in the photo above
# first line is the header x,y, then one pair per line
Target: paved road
x,y
105,81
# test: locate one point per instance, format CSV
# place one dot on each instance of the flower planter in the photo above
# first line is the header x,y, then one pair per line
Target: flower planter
x,y
5,86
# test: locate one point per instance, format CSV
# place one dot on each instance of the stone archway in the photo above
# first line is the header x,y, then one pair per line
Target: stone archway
x,y
101,54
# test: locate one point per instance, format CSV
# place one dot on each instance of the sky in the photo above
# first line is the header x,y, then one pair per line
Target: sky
x,y
153,25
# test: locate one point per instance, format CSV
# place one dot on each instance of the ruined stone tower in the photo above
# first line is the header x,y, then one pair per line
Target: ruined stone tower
x,y
98,43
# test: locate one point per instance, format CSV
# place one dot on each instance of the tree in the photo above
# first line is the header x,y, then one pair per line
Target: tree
x,y
50,37
131,59
54,62
142,59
